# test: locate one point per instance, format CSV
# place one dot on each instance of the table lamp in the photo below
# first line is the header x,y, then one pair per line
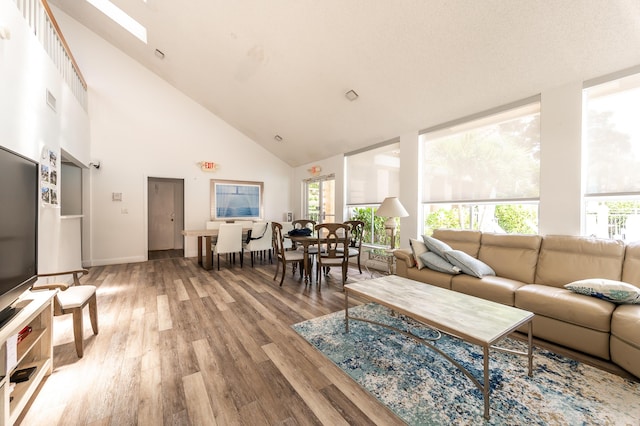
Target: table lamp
x,y
391,208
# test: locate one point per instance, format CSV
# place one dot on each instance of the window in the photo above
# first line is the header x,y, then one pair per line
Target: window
x,y
371,176
121,18
482,172
611,154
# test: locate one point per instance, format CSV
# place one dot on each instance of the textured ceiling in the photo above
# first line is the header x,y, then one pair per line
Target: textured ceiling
x,y
283,66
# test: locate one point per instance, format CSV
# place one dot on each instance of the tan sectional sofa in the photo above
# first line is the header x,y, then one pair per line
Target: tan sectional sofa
x,y
531,271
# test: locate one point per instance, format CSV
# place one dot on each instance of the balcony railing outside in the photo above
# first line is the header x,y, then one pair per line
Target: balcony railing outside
x,y
38,16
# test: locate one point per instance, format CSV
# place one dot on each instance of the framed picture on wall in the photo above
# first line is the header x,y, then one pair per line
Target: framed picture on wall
x,y
236,199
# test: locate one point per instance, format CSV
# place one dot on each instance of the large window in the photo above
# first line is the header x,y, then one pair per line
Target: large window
x,y
483,172
371,176
611,158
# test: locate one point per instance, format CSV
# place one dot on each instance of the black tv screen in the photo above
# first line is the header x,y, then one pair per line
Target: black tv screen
x,y
19,201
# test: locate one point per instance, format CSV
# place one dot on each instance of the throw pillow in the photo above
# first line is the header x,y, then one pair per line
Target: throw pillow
x,y
437,263
435,245
610,290
417,247
468,264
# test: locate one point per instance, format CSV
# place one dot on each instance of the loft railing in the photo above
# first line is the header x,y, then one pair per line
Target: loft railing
x,y
40,19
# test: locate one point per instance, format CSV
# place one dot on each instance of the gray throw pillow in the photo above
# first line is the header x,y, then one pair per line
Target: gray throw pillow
x,y
435,245
437,263
469,264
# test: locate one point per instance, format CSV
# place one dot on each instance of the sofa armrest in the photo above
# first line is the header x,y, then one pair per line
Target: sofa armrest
x,y
405,255
404,261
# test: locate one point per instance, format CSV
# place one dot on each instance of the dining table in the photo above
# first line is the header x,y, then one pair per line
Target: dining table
x,y
206,236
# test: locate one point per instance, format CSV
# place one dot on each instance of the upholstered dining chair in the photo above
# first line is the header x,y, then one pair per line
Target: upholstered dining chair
x,y
355,243
334,239
71,299
260,240
284,256
229,241
213,224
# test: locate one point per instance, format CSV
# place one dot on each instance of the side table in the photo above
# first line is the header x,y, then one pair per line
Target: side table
x,y
380,255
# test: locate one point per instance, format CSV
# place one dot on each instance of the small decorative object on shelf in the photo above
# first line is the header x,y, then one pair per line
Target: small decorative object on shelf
x,y
24,333
23,375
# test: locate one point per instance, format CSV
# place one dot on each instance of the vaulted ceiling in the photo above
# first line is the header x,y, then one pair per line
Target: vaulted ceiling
x,y
282,67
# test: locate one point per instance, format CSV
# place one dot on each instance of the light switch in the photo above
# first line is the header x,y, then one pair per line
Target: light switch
x,y
116,196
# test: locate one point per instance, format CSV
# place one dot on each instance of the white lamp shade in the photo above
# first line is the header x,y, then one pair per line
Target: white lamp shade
x,y
391,207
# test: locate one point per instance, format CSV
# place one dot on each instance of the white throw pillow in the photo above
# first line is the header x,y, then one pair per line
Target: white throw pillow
x,y
417,247
609,290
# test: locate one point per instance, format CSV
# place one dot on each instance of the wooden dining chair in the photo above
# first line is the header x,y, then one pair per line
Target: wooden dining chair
x,y
306,223
284,256
229,242
334,239
303,223
71,299
355,241
286,227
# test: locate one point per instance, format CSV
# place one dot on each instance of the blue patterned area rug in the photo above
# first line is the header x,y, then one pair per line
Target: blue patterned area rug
x,y
423,388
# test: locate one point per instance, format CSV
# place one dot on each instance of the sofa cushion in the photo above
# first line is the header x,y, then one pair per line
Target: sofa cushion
x,y
564,305
468,264
417,248
610,290
429,276
511,256
435,245
437,263
625,355
460,239
583,339
625,324
564,259
496,289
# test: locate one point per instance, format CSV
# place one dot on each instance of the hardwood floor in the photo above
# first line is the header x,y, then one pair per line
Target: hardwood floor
x,y
181,345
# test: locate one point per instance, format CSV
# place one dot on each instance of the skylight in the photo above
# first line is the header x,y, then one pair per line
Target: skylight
x,y
121,18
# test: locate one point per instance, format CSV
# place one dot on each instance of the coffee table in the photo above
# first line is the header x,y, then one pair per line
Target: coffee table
x,y
471,319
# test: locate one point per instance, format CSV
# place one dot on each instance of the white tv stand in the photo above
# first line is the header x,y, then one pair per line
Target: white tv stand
x,y
35,350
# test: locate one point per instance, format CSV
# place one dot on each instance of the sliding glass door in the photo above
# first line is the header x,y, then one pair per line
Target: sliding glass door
x,y
319,199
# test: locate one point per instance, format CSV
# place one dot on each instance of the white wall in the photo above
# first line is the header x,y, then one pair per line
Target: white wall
x,y
27,124
142,127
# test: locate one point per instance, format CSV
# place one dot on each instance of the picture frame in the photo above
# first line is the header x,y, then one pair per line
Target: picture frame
x,y
236,199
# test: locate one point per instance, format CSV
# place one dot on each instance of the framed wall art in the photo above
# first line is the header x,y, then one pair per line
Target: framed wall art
x,y
235,199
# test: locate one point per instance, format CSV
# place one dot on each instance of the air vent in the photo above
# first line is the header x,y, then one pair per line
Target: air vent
x,y
51,100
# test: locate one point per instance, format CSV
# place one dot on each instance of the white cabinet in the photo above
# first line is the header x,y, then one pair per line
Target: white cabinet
x,y
35,350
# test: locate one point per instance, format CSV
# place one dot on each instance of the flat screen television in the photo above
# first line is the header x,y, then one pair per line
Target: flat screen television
x,y
19,200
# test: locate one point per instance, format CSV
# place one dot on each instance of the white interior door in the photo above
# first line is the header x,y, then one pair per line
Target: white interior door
x,y
161,215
